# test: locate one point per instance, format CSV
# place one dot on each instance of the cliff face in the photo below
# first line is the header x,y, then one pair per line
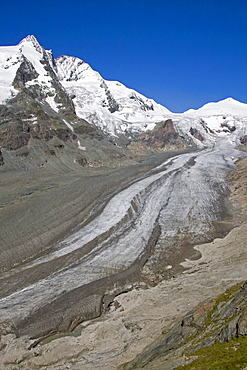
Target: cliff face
x,y
216,321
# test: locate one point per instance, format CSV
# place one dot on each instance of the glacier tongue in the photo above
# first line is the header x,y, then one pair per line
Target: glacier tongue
x,y
183,197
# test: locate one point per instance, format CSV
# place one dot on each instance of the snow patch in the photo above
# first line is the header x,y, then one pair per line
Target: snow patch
x,y
81,147
50,100
68,125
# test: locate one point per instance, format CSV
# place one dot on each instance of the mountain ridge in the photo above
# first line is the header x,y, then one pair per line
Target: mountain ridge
x,y
64,98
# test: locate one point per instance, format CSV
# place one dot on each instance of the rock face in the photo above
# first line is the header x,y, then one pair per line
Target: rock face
x,y
163,136
26,72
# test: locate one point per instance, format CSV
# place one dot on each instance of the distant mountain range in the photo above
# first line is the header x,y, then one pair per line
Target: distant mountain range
x,y
65,103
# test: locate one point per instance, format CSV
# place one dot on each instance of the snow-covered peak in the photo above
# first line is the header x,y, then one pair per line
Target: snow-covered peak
x,y
110,105
205,125
31,41
27,55
225,107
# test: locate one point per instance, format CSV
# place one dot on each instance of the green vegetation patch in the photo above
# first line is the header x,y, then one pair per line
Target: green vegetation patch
x,y
225,297
220,356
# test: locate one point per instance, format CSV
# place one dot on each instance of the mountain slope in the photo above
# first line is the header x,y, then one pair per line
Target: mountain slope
x,y
206,327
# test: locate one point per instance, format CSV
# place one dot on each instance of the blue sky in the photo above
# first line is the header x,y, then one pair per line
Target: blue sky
x,y
181,53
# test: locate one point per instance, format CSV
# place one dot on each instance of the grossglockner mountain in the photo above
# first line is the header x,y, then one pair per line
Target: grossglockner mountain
x,y
63,102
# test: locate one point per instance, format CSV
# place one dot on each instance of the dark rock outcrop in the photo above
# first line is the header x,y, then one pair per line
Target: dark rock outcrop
x,y
243,140
144,106
162,137
26,72
194,132
111,102
1,158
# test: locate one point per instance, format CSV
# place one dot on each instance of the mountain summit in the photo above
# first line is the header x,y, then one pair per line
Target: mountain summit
x,y
32,39
226,107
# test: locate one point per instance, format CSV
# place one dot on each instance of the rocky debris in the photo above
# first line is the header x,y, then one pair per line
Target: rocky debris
x,y
16,350
81,160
